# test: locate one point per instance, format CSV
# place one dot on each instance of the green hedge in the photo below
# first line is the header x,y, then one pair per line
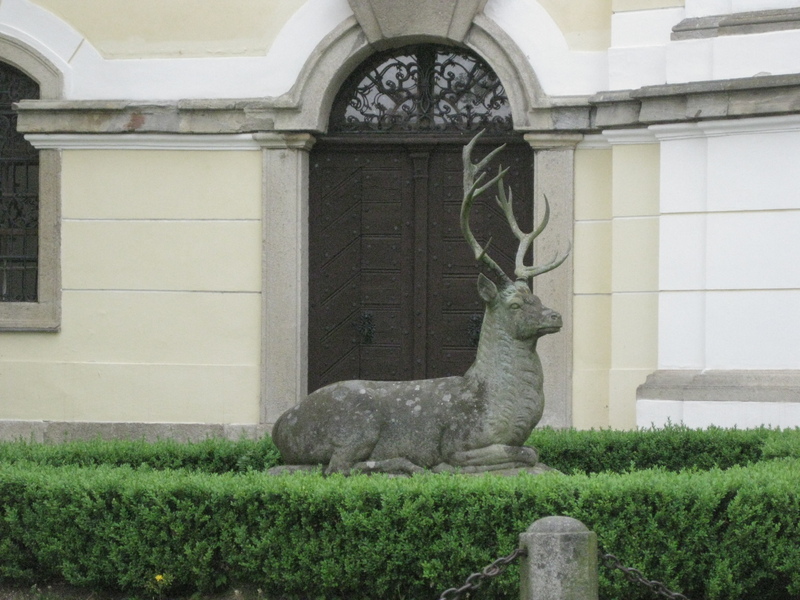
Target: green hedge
x,y
214,455
674,448
113,515
714,535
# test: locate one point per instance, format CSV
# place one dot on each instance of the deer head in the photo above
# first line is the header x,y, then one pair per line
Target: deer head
x,y
514,310
474,175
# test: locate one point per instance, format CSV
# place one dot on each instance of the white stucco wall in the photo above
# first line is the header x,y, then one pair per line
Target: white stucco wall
x,y
728,275
642,52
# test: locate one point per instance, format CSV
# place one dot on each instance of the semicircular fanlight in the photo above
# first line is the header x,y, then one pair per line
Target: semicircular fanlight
x,y
423,88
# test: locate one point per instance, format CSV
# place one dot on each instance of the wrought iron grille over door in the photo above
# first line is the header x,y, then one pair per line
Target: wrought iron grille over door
x,y
19,194
424,88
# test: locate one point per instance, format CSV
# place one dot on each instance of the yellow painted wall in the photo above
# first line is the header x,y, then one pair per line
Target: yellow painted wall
x,y
634,279
586,24
199,28
203,28
616,282
176,28
626,5
161,312
592,285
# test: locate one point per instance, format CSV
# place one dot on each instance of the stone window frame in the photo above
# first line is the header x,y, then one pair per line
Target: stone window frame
x,y
45,313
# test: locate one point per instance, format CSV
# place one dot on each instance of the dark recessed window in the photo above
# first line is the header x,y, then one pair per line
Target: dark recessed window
x,y
19,194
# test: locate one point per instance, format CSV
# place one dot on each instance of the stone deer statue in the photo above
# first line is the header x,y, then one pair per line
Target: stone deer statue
x,y
473,423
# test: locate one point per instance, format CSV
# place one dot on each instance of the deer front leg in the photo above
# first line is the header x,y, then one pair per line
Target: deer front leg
x,y
497,455
353,444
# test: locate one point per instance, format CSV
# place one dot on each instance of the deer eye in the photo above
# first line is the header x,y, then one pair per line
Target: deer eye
x,y
515,306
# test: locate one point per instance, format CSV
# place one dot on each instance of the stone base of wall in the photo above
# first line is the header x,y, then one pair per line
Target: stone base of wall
x,y
743,399
64,431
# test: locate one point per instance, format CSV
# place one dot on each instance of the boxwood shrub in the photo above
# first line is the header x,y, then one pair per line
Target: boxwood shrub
x,y
213,455
722,533
674,448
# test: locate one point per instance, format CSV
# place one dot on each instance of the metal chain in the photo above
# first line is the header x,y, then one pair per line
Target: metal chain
x,y
636,576
475,580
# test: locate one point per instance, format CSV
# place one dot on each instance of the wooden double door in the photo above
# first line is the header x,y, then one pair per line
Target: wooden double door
x,y
392,283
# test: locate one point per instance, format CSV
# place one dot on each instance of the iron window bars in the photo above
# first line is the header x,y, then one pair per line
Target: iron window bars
x,y
19,194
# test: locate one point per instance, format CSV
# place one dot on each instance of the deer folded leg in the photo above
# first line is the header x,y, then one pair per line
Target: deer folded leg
x,y
496,454
350,451
288,469
446,468
392,466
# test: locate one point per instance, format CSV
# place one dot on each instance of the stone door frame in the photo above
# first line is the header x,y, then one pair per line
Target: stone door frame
x,y
377,25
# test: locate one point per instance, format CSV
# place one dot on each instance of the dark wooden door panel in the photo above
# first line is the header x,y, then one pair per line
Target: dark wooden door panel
x,y
339,272
392,282
454,306
344,366
362,331
335,296
381,363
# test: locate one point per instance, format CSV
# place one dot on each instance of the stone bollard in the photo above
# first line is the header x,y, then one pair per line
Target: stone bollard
x,y
561,563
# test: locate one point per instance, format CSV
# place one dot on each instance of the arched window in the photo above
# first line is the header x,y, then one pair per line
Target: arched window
x,y
19,194
423,88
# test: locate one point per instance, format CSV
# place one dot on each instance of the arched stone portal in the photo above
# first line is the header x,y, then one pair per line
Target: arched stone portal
x,y
286,171
392,283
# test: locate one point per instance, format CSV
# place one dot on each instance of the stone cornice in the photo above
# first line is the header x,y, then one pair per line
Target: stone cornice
x,y
671,103
142,141
697,101
120,116
737,24
552,141
171,141
280,140
636,109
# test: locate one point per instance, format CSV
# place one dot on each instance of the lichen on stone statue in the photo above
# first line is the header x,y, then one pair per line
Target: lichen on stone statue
x,y
473,423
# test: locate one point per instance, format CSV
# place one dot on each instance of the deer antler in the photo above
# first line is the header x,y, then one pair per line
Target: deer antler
x,y
472,189
526,239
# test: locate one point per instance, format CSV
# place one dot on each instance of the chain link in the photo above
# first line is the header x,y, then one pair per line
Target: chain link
x,y
636,576
475,580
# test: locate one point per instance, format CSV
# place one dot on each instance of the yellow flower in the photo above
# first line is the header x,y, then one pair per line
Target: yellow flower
x,y
159,578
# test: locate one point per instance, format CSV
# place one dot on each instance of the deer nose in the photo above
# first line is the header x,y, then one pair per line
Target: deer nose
x,y
553,317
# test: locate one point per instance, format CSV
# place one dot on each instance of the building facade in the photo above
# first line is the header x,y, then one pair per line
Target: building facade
x,y
174,149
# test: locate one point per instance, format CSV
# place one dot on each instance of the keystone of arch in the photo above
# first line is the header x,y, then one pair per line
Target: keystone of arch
x,y
388,19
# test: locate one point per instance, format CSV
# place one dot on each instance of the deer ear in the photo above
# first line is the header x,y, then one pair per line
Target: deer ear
x,y
486,288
